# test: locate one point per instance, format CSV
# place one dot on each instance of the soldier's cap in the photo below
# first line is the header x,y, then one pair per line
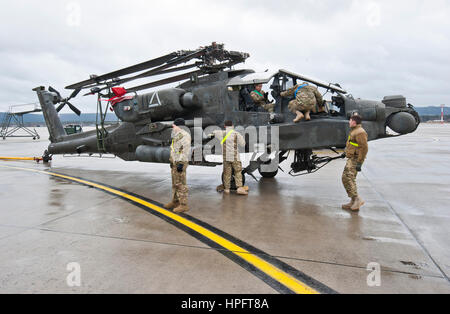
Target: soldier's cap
x,y
179,122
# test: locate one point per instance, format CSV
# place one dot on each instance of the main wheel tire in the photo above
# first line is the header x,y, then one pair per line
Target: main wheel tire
x,y
233,181
268,175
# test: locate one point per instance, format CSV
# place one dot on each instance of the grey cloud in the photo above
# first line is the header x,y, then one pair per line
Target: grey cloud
x,y
373,48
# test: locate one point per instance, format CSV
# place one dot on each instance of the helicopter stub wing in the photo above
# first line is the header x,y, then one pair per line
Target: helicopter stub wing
x,y
320,83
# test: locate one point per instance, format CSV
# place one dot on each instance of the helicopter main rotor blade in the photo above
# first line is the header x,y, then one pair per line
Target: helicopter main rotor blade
x,y
159,71
164,69
163,82
184,67
143,75
175,59
132,69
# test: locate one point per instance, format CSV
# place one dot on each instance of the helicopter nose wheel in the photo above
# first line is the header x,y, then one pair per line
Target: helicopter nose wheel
x,y
233,181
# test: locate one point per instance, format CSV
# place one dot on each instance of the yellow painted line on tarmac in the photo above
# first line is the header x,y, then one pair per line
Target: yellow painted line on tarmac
x,y
275,273
21,158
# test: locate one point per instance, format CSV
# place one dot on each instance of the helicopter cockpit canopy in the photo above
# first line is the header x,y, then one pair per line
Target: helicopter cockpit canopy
x,y
252,79
281,80
266,77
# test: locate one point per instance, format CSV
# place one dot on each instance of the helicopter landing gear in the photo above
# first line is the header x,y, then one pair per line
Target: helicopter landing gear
x,y
266,166
268,175
46,157
305,162
233,181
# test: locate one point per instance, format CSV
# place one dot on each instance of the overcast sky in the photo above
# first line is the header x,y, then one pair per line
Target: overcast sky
x,y
372,48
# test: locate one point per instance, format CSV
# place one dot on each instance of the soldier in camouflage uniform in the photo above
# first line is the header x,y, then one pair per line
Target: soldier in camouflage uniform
x,y
356,152
306,99
179,160
260,99
231,140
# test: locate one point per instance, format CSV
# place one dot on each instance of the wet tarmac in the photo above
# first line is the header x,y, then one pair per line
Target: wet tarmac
x,y
47,222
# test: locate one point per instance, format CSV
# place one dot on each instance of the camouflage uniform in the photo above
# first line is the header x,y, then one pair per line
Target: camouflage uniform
x,y
179,154
231,159
306,100
356,152
259,100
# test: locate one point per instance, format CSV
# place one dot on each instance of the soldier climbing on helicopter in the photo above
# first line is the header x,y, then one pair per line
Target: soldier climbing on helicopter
x,y
306,99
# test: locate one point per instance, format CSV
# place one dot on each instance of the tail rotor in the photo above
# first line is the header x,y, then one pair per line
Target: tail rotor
x,y
65,101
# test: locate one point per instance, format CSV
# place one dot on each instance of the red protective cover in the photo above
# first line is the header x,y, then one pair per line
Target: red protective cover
x,y
120,99
119,91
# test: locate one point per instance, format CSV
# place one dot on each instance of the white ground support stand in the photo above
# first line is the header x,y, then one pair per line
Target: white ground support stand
x,y
13,121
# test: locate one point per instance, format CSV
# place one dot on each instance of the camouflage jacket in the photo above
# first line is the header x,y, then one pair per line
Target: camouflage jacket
x,y
230,144
357,146
181,147
258,98
306,93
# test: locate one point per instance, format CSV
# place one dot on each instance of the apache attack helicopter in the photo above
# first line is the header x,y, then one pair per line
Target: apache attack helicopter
x,y
215,92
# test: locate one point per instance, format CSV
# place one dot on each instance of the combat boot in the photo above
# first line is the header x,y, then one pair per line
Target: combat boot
x,y
171,205
357,204
299,117
220,188
241,191
349,205
226,191
307,116
321,109
246,188
181,209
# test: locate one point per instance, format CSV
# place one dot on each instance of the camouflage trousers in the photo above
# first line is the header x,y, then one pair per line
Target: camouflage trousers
x,y
269,107
303,106
349,178
179,184
228,166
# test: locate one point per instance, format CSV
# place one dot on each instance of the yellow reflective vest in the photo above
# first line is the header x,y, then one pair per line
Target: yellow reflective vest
x,y
357,144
